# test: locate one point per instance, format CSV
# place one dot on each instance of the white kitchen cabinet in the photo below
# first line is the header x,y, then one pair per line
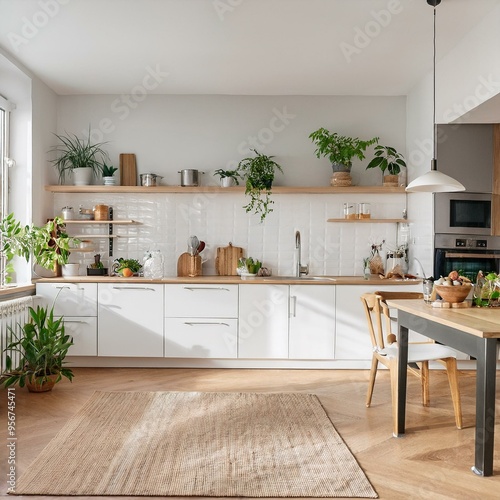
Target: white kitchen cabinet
x,y
130,320
263,321
352,340
202,301
312,322
77,302
201,321
201,338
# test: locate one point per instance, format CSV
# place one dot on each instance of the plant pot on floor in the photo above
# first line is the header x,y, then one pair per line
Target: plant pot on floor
x,y
41,384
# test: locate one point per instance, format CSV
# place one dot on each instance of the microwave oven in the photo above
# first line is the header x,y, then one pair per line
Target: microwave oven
x,y
463,213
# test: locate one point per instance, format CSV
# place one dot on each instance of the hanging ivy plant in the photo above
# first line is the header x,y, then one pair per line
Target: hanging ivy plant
x,y
258,173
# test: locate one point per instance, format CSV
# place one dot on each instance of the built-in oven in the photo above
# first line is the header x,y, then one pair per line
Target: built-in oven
x,y
467,254
463,213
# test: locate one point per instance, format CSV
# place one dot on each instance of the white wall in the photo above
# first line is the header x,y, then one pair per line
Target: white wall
x,y
169,133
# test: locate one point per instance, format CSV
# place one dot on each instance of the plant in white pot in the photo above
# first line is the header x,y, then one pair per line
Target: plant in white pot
x,y
388,159
340,150
79,157
108,172
227,178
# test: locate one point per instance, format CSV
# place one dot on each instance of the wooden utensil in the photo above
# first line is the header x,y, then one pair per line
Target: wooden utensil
x,y
226,261
128,170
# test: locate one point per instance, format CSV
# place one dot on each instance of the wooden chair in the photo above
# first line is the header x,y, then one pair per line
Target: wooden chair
x,y
419,354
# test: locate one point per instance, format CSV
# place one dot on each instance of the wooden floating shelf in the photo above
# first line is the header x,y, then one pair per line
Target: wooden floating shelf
x,y
218,189
92,221
368,221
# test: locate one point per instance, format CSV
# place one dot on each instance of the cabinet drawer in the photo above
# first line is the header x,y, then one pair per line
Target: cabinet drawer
x,y
201,338
71,299
201,301
84,333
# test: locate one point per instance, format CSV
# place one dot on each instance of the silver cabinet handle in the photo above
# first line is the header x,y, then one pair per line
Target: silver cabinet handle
x,y
192,289
133,288
63,287
293,301
76,321
194,323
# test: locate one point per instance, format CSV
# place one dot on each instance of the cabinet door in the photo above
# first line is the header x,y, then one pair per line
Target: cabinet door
x,y
201,301
352,340
130,320
263,321
312,321
71,299
201,338
84,333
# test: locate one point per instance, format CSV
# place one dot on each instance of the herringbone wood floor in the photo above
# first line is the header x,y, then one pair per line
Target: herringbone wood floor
x,y
432,461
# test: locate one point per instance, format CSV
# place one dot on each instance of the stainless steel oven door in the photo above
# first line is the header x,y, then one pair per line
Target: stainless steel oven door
x,y
462,213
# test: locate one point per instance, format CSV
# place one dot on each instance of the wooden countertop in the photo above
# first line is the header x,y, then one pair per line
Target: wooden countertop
x,y
482,322
323,280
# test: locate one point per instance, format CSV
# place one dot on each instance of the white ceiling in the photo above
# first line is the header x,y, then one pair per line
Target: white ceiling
x,y
231,46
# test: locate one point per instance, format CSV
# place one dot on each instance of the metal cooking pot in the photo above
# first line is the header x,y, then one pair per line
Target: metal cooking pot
x,y
150,179
190,177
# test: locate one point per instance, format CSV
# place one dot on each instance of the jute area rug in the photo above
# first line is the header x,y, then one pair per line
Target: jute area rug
x,y
198,444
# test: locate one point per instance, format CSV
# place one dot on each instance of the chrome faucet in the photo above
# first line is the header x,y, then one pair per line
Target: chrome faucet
x,y
300,270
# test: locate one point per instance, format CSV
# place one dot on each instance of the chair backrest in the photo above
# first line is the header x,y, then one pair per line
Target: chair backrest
x,y
372,307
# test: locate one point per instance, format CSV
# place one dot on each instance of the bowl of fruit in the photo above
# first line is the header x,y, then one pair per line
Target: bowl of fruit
x,y
454,288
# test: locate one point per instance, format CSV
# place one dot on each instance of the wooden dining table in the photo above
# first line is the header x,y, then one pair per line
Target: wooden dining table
x,y
473,331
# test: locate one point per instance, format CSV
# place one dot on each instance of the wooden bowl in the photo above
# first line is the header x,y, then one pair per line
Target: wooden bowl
x,y
453,294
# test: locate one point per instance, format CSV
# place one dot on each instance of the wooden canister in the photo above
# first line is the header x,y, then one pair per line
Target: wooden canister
x,y
101,212
189,265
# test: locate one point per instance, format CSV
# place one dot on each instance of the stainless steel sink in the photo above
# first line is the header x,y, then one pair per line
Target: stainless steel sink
x,y
302,278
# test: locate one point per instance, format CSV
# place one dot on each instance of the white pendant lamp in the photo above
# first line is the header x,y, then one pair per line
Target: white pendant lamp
x,y
434,181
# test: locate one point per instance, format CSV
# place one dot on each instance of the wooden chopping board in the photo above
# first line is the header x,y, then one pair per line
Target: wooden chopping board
x,y
128,170
227,258
189,265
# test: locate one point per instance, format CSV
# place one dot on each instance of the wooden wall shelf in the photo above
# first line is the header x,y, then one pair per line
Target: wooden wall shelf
x,y
368,221
218,189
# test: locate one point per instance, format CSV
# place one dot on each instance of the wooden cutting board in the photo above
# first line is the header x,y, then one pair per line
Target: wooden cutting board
x,y
227,258
189,265
128,170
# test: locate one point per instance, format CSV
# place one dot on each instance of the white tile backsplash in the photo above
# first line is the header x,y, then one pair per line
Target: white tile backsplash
x,y
167,220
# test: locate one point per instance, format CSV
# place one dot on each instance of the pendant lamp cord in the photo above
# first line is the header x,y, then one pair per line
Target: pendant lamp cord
x,y
434,154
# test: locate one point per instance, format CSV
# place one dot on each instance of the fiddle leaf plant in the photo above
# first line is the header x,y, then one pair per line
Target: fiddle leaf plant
x,y
258,173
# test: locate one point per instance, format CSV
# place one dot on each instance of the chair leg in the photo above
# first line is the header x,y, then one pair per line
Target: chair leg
x,y
371,383
451,370
424,378
393,367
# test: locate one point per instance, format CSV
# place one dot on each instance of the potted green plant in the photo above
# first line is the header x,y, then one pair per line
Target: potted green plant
x,y
227,178
108,174
80,157
49,245
258,173
340,150
42,345
387,158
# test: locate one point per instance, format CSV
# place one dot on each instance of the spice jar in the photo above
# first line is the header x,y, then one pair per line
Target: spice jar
x,y
349,210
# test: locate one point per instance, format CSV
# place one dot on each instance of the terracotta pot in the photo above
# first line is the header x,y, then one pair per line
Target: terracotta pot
x,y
41,385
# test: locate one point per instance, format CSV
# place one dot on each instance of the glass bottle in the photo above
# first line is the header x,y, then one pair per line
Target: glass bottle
x,y
153,264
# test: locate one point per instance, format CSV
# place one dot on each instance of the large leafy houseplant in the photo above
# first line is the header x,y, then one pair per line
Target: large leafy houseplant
x,y
339,149
49,245
73,153
42,345
258,173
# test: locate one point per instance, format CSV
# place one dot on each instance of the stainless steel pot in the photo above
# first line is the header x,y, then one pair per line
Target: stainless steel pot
x,y
190,177
150,179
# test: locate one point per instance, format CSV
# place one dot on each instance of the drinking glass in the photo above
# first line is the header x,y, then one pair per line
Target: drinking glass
x,y
428,285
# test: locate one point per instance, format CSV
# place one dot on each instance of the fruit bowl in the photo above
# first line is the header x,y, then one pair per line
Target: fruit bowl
x,y
454,293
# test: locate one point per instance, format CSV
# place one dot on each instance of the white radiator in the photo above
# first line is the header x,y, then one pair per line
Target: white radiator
x,y
13,314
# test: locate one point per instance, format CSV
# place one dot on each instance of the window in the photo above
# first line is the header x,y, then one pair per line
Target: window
x,y
5,162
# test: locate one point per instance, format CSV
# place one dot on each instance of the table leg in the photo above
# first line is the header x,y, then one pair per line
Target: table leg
x,y
400,403
485,406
